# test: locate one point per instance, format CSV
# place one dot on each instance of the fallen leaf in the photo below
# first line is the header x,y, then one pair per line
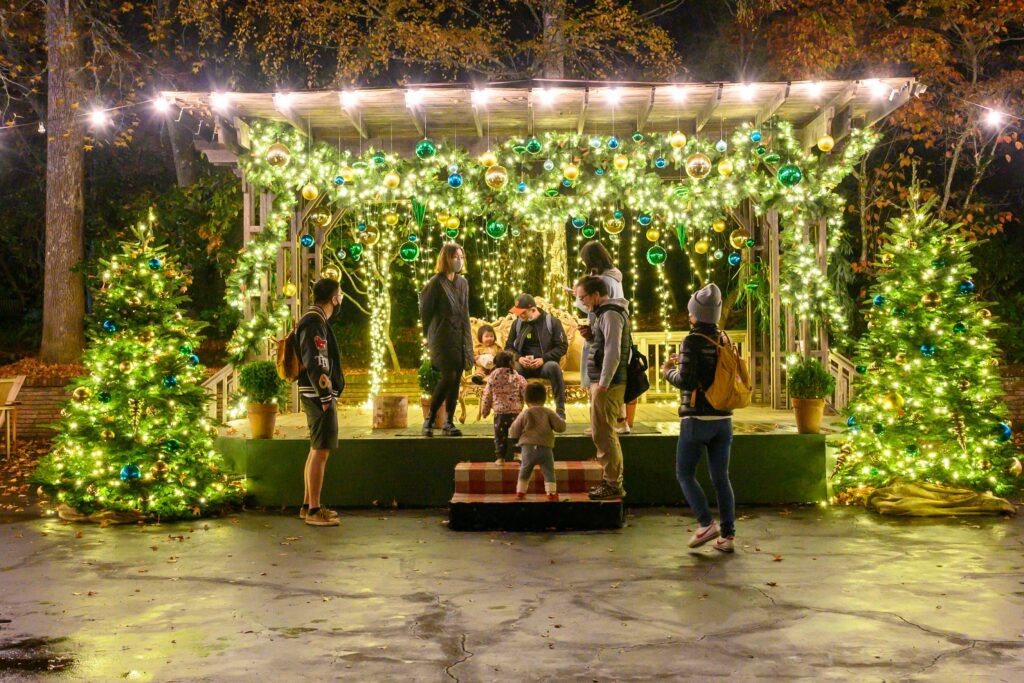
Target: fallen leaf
x,y
777,558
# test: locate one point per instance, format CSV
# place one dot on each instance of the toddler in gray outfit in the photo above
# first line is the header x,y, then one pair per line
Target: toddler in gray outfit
x,y
535,428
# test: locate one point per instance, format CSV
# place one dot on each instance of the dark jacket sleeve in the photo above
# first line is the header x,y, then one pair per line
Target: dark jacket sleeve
x,y
467,329
559,345
510,343
428,304
687,375
315,360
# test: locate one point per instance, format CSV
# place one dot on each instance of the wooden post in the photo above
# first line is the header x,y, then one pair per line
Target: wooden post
x,y
774,358
823,264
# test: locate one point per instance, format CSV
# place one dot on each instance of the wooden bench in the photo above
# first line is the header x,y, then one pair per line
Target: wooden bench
x,y
9,388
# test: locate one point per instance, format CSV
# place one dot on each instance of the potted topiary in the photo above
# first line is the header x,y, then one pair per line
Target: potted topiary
x,y
809,383
263,390
428,379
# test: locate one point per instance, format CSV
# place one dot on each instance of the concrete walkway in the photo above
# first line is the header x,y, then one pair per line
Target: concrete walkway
x,y
811,594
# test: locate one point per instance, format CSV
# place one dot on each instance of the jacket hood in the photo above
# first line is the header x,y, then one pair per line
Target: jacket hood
x,y
624,303
614,273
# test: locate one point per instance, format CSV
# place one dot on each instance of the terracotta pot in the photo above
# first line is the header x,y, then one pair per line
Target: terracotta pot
x,y
630,413
438,419
809,412
262,417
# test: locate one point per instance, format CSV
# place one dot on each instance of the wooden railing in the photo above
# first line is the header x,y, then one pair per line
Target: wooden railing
x,y
658,346
220,386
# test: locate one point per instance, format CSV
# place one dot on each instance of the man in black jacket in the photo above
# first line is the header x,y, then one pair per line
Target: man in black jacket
x,y
537,342
320,384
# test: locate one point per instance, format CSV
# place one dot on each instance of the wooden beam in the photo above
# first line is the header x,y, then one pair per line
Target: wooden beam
x,y
353,119
294,119
821,123
772,106
477,121
529,111
708,110
216,153
583,111
645,112
416,121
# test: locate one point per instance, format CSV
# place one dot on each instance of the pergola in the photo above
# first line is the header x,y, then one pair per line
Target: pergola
x,y
475,117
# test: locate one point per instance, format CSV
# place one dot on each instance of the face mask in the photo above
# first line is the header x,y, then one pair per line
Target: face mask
x,y
457,265
337,307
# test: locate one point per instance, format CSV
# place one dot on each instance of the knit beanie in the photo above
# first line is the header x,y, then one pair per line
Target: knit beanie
x,y
706,304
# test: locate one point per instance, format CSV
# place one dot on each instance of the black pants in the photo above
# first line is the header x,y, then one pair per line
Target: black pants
x,y
502,421
552,372
446,392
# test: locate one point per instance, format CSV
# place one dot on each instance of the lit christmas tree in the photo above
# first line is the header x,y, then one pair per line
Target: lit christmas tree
x,y
135,438
927,406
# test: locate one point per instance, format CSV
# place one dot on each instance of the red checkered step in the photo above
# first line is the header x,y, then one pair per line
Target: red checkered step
x,y
573,476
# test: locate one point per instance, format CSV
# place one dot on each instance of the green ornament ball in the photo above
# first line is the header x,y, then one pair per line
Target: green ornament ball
x,y
656,255
534,146
496,230
878,428
861,369
425,149
409,252
452,233
960,328
588,231
185,349
378,159
911,450
939,263
761,149
790,175
355,250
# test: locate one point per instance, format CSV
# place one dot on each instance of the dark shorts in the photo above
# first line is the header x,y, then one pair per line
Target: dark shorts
x,y
323,424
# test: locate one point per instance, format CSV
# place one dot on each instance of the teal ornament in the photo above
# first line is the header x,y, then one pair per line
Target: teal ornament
x,y
613,142
755,136
644,219
927,350
911,449
681,235
721,146
566,182
965,287
878,428
750,242
360,164
338,180
861,369
551,192
172,445
549,165
734,259
534,146
761,149
425,149
130,472
1004,432
578,222
521,187
595,142
588,231
599,171
618,213
851,421
638,137
656,255
515,232
109,326
355,250
103,396
307,241
879,300
378,159
169,381
496,230
959,328
361,227
409,252
452,233
660,162
455,180
413,238
790,175
193,360
939,263
154,263
874,470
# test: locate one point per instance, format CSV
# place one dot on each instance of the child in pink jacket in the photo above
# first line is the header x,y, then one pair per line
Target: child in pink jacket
x,y
505,392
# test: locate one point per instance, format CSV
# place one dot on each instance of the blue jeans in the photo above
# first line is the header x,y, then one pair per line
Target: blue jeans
x,y
716,436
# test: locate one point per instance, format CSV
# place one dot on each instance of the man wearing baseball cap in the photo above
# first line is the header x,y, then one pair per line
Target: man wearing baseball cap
x,y
537,342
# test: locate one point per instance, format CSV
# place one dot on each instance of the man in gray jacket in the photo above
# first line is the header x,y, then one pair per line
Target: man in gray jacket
x,y
606,369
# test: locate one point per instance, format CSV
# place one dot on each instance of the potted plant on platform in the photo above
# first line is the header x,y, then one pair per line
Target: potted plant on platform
x,y
263,390
809,383
428,379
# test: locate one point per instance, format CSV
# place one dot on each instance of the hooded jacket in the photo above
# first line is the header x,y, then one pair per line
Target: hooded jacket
x,y
613,280
610,343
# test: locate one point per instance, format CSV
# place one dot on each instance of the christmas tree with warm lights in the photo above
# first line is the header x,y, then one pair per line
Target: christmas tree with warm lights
x,y
927,405
135,438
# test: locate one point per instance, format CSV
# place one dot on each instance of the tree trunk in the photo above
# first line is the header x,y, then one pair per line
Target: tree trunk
x,y
553,66
63,289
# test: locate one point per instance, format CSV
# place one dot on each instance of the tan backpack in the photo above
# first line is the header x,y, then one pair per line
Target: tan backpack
x,y
731,388
289,360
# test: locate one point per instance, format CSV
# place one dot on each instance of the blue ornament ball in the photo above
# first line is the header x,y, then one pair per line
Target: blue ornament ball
x,y
755,136
618,213
170,381
130,472
965,287
155,263
644,219
721,146
193,360
109,326
578,222
521,187
599,171
660,162
413,238
927,350
338,180
455,180
566,182
1004,432
613,142
851,421
307,241
879,300
734,259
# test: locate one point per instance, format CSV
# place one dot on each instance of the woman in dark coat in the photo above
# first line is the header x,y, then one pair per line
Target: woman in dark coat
x,y
444,311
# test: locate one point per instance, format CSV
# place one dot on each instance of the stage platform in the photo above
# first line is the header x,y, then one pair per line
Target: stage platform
x,y
770,464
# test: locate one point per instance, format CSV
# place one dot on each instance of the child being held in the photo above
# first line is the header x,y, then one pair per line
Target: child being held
x,y
504,393
535,428
483,353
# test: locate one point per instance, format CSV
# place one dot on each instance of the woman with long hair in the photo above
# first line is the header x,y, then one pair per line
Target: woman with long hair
x,y
444,311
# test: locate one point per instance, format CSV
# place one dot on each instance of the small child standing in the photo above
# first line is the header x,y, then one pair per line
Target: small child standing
x,y
483,353
535,428
504,393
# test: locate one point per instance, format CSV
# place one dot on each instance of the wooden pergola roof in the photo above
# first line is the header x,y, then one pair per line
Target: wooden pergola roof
x,y
397,117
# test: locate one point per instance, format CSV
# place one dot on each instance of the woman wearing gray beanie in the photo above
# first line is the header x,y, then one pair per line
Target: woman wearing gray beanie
x,y
702,426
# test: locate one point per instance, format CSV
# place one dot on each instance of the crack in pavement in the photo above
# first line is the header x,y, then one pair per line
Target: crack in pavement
x,y
448,669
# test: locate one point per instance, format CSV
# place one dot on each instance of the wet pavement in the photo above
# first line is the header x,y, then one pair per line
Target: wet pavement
x,y
814,594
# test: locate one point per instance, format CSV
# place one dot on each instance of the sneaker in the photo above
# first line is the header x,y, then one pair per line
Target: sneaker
x,y
305,511
553,497
520,495
704,534
428,428
724,544
476,379
322,517
623,428
451,430
606,491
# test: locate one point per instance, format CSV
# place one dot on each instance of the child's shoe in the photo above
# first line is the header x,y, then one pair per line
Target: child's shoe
x,y
499,461
553,497
520,495
704,534
724,544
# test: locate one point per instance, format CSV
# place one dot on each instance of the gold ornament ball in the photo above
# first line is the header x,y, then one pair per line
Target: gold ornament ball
x,y
81,394
310,192
698,166
725,168
331,273
701,246
718,226
278,155
321,219
347,173
931,300
613,226
452,222
160,468
886,258
949,240
1015,467
826,143
985,313
963,385
738,238
620,162
892,401
571,172
900,358
488,159
391,218
289,289
496,177
652,234
677,140
107,434
369,237
391,180
146,336
442,218
125,366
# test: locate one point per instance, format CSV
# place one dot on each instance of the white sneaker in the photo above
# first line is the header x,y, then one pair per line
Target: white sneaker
x,y
704,534
724,544
624,429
